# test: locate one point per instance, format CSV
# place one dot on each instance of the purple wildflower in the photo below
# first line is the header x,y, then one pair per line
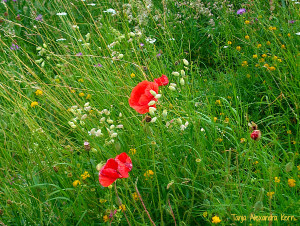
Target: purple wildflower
x,y
98,65
14,47
241,11
142,44
79,54
39,17
292,21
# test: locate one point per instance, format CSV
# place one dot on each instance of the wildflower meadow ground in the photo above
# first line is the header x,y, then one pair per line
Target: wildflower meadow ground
x,y
149,112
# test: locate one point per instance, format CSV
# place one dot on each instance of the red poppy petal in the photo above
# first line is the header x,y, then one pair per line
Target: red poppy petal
x,y
125,164
108,173
105,181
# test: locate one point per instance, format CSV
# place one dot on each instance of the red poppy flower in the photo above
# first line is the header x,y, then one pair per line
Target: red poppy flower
x,y
115,169
141,96
109,173
162,81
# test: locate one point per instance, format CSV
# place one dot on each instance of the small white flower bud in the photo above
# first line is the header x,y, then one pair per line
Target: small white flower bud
x,y
173,84
172,88
182,127
164,114
131,34
93,131
168,124
175,73
88,108
153,119
152,110
113,135
102,119
120,115
82,123
112,127
182,82
98,133
153,92
121,56
44,45
87,104
186,63
43,64
157,96
152,102
179,121
182,72
109,121
120,126
84,117
74,107
186,124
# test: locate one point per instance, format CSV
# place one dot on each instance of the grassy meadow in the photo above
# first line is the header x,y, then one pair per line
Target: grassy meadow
x,y
221,146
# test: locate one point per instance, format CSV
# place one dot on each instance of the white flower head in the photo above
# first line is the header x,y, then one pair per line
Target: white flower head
x,y
112,11
175,73
61,14
150,40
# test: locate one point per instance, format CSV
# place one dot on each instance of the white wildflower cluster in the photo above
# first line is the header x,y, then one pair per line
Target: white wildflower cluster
x,y
141,16
178,122
108,127
181,74
151,103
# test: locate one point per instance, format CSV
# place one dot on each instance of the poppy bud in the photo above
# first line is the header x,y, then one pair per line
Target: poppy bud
x,y
148,118
182,72
87,146
175,73
256,135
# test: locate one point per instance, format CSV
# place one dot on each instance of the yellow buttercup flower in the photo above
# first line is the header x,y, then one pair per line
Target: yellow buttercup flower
x,y
122,207
277,179
247,37
39,92
259,45
291,182
218,102
132,75
88,96
135,196
105,218
215,119
268,43
238,48
33,104
76,183
270,194
81,94
254,56
216,220
247,22
229,42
